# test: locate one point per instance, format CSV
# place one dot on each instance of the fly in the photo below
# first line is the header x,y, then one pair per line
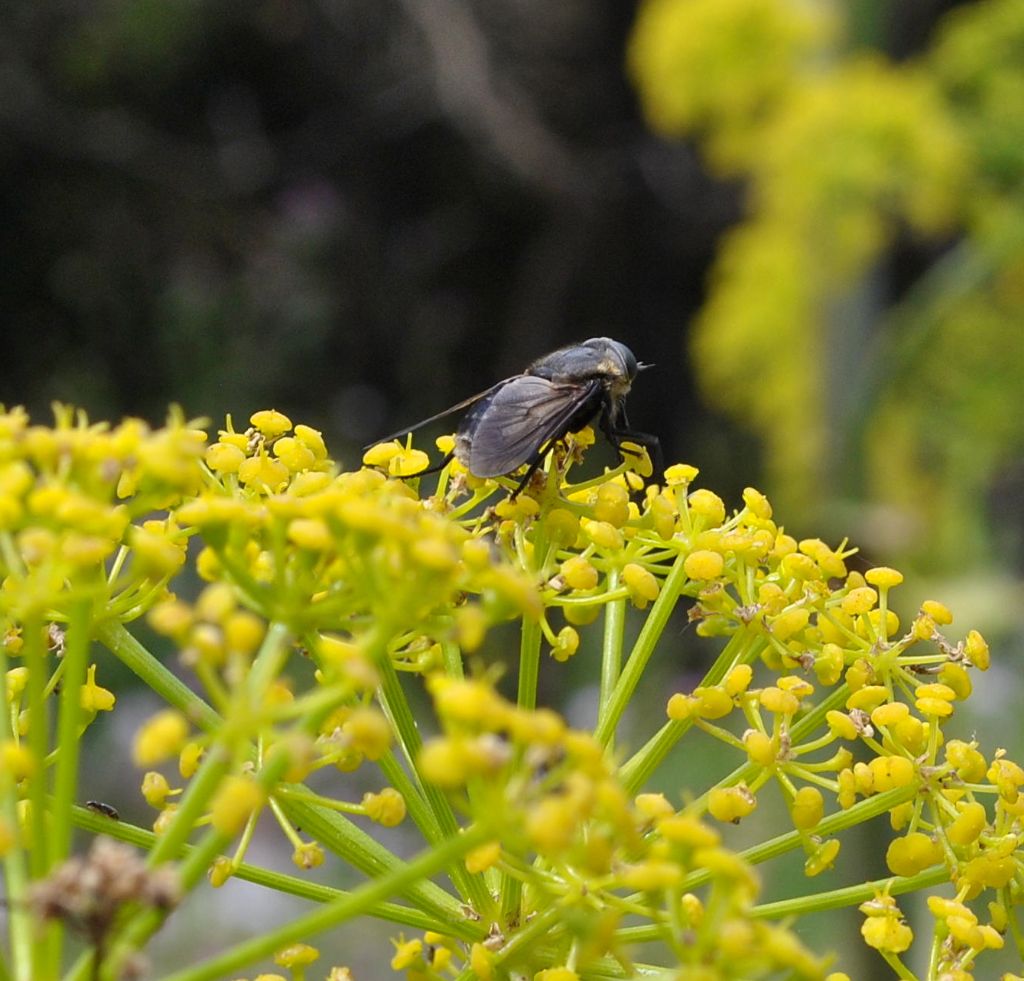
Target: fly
x,y
517,421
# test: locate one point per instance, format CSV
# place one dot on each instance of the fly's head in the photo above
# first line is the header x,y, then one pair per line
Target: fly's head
x,y
616,366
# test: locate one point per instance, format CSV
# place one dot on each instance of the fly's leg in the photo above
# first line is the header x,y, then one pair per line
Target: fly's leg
x,y
649,442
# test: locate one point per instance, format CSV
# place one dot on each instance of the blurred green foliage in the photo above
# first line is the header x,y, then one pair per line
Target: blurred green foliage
x,y
912,407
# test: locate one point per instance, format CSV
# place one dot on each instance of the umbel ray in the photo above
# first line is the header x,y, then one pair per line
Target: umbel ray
x,y
515,422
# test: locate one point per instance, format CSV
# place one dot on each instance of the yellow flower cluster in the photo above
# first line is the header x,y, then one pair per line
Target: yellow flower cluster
x,y
550,795
842,151
320,589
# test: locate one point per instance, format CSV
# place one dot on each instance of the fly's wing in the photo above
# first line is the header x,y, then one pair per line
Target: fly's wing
x,y
520,419
451,410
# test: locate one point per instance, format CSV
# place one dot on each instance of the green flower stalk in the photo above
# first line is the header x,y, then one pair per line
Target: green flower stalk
x,y
543,852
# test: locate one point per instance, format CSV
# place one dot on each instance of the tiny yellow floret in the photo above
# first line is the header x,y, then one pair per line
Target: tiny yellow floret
x,y
483,857
912,853
155,789
703,565
968,824
93,697
708,505
859,600
386,808
738,679
579,573
296,955
808,808
731,804
883,577
643,587
270,422
407,954
160,738
938,612
234,803
556,974
976,648
680,474
757,504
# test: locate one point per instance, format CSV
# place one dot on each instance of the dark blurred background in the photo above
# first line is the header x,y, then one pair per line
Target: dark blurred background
x,y
361,211
357,212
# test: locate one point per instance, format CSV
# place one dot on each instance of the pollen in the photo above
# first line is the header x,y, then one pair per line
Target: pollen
x,y
566,644
821,860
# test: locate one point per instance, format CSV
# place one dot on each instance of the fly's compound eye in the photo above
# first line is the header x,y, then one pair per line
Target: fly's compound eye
x,y
627,359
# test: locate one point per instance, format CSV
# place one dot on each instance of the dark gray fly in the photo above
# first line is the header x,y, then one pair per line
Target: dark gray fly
x,y
517,421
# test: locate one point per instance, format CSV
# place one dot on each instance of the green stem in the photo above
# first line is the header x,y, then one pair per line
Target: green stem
x,y
650,633
343,838
156,676
438,823
850,895
45,941
268,663
529,664
611,647
333,914
451,921
76,653
529,674
20,923
34,656
815,903
69,725
193,806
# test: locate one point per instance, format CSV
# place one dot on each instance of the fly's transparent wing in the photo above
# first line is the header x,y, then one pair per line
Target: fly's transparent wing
x,y
520,419
458,407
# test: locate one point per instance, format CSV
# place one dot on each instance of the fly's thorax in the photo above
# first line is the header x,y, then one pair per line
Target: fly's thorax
x,y
463,444
597,358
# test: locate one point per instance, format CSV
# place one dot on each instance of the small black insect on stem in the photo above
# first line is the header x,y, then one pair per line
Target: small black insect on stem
x,y
517,421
